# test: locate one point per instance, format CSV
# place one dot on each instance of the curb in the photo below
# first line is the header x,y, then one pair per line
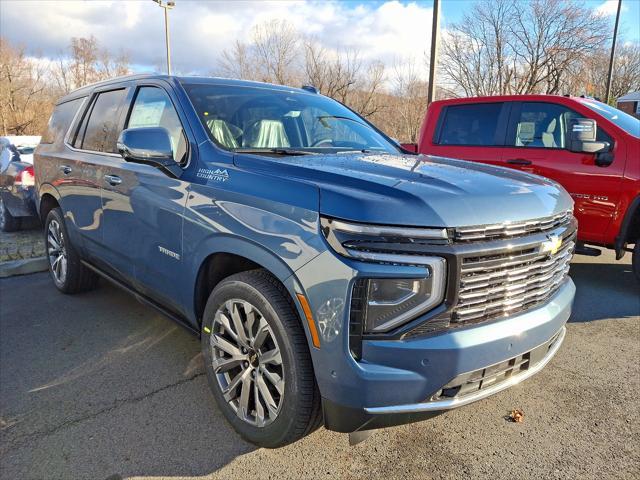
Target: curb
x,y
23,267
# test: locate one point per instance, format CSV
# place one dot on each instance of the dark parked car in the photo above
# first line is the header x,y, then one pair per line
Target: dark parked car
x,y
17,187
332,279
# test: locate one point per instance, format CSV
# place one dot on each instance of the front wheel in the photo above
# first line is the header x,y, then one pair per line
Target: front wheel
x,y
635,261
257,360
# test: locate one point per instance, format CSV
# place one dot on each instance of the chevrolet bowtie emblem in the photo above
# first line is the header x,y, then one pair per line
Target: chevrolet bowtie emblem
x,y
552,245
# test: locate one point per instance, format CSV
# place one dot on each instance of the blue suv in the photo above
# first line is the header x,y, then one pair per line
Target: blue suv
x,y
333,278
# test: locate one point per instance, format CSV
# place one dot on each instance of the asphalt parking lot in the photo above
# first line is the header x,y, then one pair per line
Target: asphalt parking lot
x,y
99,386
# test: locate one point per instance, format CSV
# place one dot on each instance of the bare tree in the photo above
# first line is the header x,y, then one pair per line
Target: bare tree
x,y
476,51
334,74
408,104
590,77
239,62
504,46
25,103
87,63
272,55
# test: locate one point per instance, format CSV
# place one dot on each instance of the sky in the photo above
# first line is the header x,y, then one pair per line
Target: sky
x,y
392,31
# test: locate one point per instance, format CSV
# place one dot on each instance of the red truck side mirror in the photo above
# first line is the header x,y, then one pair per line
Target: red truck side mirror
x,y
582,139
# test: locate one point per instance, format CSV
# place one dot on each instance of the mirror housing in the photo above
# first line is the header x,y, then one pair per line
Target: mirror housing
x,y
582,137
150,146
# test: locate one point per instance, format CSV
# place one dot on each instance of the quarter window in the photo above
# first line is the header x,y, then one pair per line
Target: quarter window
x,y
60,120
153,108
470,124
100,128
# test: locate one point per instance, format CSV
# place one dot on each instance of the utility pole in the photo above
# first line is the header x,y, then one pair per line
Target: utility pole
x,y
167,5
433,62
613,52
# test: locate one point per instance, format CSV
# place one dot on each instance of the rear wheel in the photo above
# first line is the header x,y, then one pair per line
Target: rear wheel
x,y
636,260
258,362
8,223
65,267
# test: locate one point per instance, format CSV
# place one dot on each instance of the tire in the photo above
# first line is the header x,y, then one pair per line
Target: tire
x,y
295,403
8,223
635,260
65,267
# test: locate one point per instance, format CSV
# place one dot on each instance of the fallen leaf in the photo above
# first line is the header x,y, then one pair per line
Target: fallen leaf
x,y
516,416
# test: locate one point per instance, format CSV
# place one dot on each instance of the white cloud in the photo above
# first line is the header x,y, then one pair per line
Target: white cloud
x,y
609,7
201,30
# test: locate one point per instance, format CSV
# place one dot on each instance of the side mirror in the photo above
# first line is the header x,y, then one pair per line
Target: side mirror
x,y
148,145
582,137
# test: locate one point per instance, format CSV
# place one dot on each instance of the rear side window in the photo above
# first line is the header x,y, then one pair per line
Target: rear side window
x,y
98,130
470,124
60,120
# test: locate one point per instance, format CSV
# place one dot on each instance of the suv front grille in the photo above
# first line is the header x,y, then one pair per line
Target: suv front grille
x,y
493,286
509,230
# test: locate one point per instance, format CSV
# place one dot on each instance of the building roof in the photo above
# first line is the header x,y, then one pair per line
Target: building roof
x,y
630,97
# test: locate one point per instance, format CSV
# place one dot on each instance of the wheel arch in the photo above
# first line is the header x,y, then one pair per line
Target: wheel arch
x,y
630,228
49,198
231,256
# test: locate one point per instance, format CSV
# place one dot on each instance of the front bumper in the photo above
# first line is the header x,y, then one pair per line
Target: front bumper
x,y
402,380
510,373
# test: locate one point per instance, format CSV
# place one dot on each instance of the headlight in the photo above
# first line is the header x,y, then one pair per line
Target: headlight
x,y
390,302
380,305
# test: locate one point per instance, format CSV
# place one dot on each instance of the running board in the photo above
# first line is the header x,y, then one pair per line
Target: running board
x,y
142,298
589,251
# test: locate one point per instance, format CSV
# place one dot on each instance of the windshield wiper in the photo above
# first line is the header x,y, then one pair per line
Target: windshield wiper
x,y
276,151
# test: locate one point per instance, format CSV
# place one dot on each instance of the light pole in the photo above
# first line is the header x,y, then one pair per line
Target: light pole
x,y
435,39
613,52
167,5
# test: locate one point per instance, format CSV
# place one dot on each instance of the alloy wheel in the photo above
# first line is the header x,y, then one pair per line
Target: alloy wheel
x,y
57,251
247,362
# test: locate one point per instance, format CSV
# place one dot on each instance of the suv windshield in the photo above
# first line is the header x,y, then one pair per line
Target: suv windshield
x,y
625,121
263,120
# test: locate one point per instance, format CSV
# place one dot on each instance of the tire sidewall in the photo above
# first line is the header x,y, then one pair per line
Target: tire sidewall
x,y
8,223
274,433
635,260
56,214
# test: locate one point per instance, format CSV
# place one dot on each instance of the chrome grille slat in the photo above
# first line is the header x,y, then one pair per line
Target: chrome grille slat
x,y
494,286
511,292
508,230
523,273
517,271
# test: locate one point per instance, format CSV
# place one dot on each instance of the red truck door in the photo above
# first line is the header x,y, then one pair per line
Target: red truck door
x,y
537,141
472,131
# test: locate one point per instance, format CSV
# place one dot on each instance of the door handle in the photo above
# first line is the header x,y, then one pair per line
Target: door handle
x,y
519,161
66,169
113,180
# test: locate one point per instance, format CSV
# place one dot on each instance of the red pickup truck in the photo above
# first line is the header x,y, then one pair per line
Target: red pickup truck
x,y
590,148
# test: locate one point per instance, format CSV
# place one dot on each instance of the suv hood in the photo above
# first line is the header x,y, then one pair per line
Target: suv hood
x,y
418,190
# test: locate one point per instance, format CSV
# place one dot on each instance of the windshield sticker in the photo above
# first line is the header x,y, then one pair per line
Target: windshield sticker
x,y
219,174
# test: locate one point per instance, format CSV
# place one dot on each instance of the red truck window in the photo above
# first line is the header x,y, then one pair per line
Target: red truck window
x,y
545,125
473,124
